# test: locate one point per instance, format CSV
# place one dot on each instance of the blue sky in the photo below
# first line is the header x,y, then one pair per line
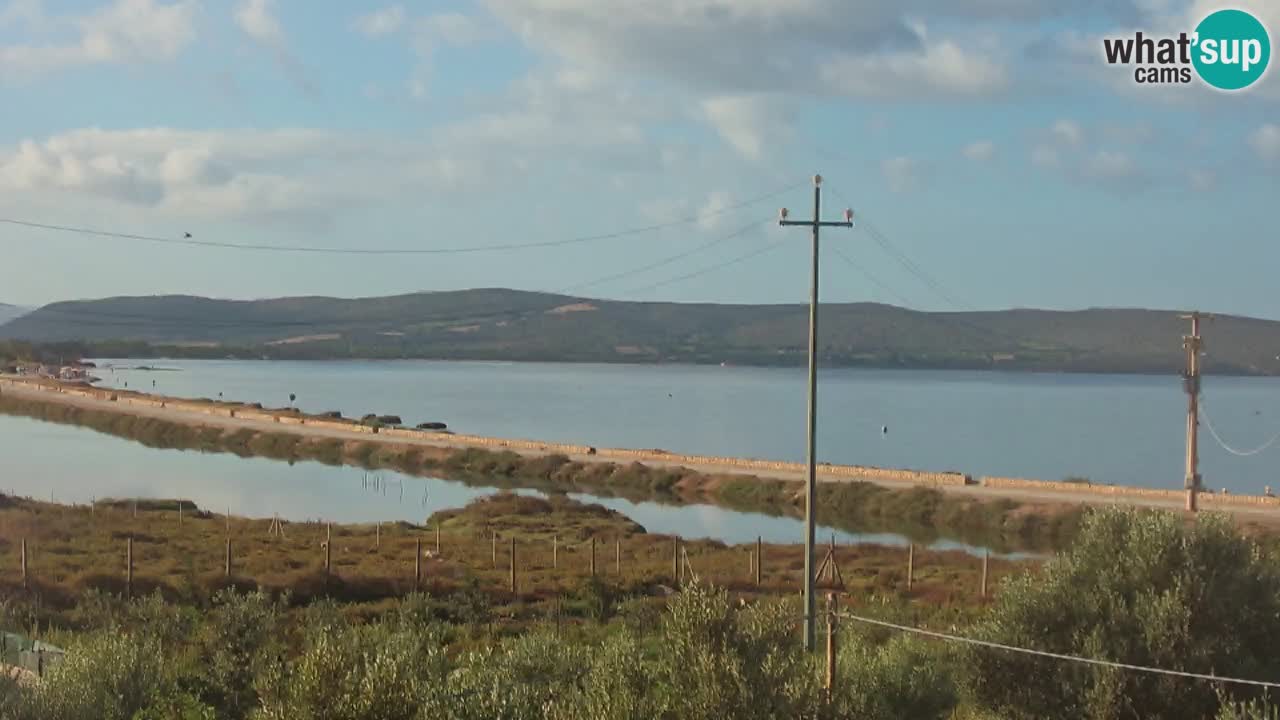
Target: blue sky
x,y
986,140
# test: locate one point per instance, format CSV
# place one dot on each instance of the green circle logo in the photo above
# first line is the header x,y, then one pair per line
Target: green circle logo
x,y
1232,49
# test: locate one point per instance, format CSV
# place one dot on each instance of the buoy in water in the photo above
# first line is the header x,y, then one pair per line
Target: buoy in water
x,y
884,429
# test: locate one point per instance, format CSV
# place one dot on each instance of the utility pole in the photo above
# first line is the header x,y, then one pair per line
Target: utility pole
x,y
1191,384
810,602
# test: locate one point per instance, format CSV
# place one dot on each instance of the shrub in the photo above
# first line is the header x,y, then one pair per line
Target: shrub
x,y
235,642
716,662
1137,587
105,676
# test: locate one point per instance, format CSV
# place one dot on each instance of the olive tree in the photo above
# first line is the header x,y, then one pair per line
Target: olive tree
x,y
1137,587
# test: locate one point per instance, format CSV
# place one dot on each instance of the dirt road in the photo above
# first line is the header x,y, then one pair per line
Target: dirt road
x,y
1262,514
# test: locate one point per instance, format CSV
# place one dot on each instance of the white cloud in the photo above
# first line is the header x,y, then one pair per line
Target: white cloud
x,y
1108,165
711,214
1044,156
451,28
386,21
902,173
941,70
255,18
720,47
980,151
1266,142
1202,180
122,32
233,173
749,123
1067,132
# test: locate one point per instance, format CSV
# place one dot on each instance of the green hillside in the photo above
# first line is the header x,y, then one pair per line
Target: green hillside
x,y
514,325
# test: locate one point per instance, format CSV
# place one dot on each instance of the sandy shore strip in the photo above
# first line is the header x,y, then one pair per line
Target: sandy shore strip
x,y
235,416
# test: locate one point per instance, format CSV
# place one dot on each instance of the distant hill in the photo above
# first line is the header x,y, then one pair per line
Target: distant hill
x,y
514,325
9,312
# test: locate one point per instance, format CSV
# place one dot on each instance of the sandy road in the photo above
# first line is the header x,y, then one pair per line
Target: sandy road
x,y
1268,515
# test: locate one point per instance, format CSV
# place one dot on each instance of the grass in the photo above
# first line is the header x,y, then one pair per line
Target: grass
x,y
72,550
923,514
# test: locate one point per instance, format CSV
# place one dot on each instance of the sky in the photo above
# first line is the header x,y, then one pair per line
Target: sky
x,y
991,156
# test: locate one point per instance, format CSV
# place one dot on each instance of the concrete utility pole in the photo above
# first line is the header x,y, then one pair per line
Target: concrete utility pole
x,y
810,602
1191,384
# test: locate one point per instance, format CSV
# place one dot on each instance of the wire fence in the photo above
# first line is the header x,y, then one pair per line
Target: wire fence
x,y
124,548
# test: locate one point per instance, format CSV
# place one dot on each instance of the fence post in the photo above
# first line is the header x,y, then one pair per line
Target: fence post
x,y
986,555
675,560
911,563
437,540
759,558
593,556
129,562
617,557
495,551
328,548
227,571
555,552
513,564
417,563
24,563
377,536
831,644
179,513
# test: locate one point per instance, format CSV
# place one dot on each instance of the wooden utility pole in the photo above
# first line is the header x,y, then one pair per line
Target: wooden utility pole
x,y
1191,384
513,564
495,551
759,559
227,569
128,558
24,563
831,644
617,557
811,478
437,540
328,548
417,563
675,561
593,556
555,552
911,563
986,557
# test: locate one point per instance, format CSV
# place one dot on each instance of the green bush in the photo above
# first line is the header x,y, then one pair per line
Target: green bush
x,y
389,670
106,676
238,638
902,678
715,661
1137,587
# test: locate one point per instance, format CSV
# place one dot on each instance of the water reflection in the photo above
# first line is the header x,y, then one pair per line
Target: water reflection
x,y
77,465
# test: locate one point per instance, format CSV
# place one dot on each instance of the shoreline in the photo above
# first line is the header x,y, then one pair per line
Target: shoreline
x,y
1012,513
301,423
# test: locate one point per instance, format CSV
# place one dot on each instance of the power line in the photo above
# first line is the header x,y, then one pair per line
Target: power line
x,y
667,260
189,241
1057,656
869,277
905,261
153,320
1204,411
705,270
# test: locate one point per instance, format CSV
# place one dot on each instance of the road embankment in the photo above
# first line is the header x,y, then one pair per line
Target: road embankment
x,y
1012,512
